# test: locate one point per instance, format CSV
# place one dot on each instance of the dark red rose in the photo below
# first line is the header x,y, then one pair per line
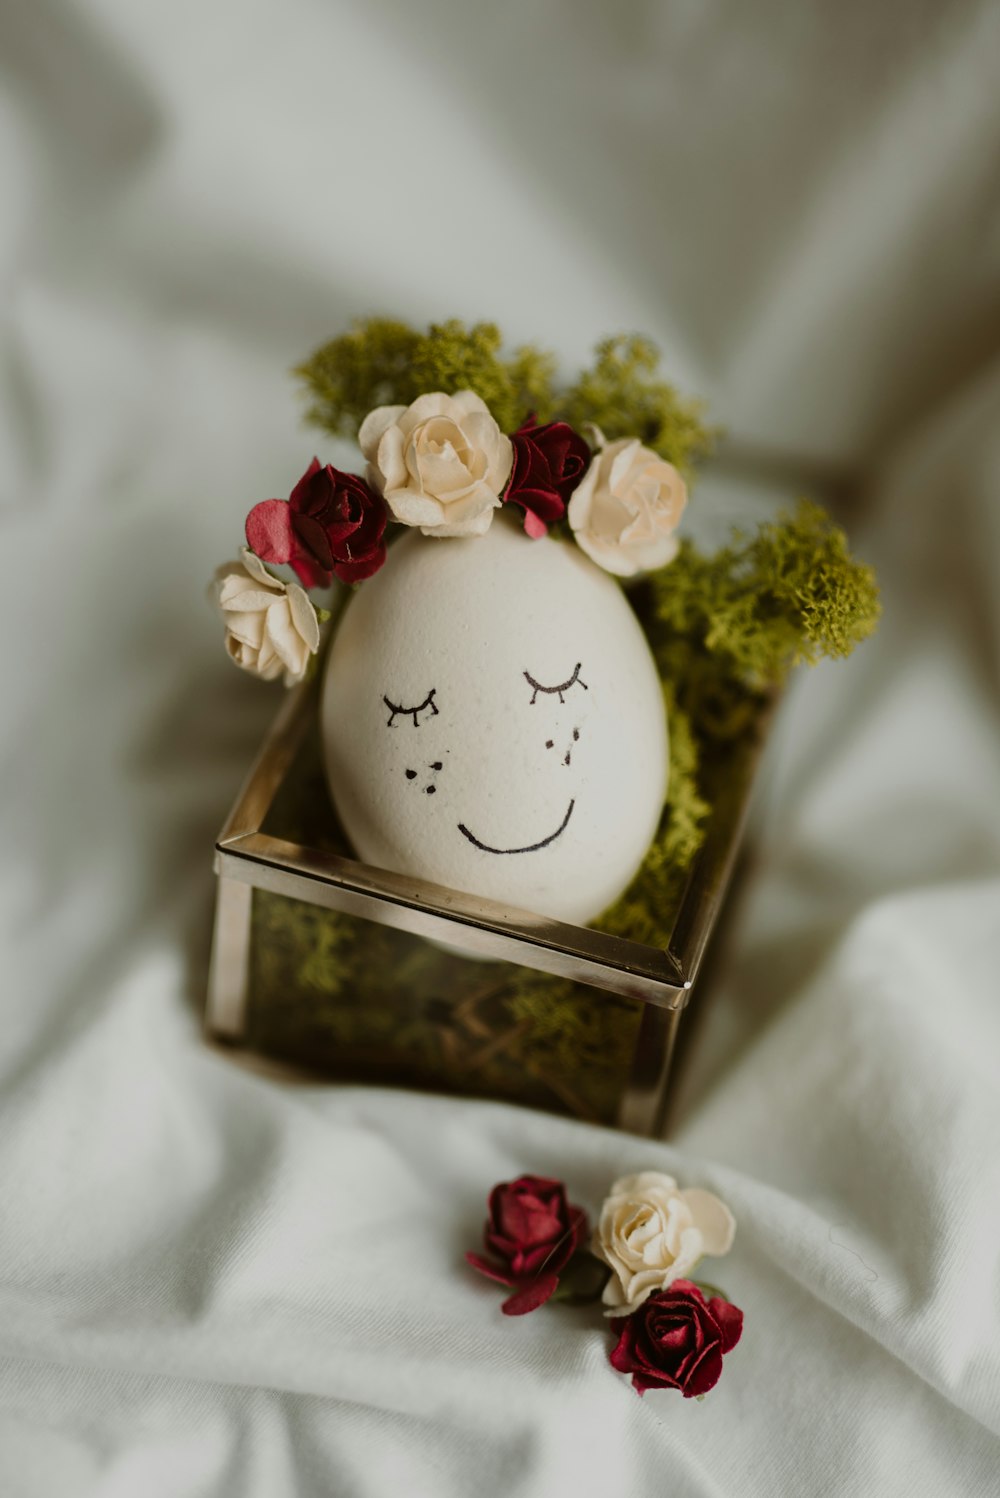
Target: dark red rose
x,y
549,462
531,1234
675,1340
332,524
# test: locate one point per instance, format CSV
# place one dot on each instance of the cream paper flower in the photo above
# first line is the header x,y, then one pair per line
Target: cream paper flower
x,y
651,1234
441,463
271,626
625,510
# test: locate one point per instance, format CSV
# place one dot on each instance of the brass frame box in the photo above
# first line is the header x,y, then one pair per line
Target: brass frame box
x,y
594,1040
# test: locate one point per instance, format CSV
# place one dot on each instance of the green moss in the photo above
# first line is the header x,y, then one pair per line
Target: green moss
x,y
370,365
450,357
622,394
579,1039
789,594
646,909
384,362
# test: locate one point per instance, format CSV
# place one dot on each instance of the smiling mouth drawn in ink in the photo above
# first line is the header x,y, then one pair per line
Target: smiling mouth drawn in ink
x,y
531,848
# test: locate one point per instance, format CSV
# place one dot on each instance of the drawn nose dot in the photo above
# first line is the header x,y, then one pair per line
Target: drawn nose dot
x,y
411,774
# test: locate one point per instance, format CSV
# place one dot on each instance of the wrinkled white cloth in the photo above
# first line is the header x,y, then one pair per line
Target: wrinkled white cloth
x,y
218,1285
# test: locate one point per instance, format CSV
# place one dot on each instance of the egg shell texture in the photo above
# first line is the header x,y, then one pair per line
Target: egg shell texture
x,y
493,721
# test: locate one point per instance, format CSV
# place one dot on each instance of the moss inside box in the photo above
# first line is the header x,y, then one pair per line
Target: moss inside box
x,y
358,1000
355,999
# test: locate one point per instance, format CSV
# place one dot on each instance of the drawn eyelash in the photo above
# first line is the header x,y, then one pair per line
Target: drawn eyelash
x,y
395,711
575,680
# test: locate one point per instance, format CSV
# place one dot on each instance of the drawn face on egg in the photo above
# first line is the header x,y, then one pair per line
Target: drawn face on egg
x,y
493,722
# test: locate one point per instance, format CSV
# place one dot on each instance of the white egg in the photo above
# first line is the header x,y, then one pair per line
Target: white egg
x,y
493,721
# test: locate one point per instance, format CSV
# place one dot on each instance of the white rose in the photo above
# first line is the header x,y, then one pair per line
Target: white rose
x,y
271,626
652,1234
440,463
625,509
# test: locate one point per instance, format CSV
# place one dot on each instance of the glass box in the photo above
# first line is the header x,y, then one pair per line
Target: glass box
x,y
350,971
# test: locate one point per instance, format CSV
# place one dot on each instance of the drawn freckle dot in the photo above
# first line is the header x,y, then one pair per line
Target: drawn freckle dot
x,y
437,765
548,743
411,774
431,789
576,734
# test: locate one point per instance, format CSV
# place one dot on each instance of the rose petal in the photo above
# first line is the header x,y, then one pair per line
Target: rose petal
x,y
531,1296
658,553
529,1221
375,424
485,1267
578,509
367,531
605,555
310,537
256,569
622,455
465,507
269,530
484,434
687,1288
643,1181
411,508
468,400
713,1220
269,664
303,617
478,525
730,1319
704,1374
388,468
444,473
284,639
310,573
239,595
301,490
248,629
356,572
434,403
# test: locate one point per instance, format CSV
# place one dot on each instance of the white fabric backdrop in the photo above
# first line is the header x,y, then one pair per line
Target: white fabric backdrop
x,y
215,1284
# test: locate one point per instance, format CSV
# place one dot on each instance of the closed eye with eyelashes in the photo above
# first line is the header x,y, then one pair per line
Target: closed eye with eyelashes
x,y
572,681
396,710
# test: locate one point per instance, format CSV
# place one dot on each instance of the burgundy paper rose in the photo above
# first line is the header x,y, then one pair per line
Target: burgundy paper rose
x,y
675,1340
531,1234
549,462
332,524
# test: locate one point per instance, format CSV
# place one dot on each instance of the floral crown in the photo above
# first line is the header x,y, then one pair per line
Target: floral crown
x,y
452,431
441,465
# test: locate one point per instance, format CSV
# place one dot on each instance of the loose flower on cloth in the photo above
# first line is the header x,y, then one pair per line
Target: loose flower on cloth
x,y
674,1332
626,510
676,1340
650,1233
531,1234
332,525
441,462
271,626
549,462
